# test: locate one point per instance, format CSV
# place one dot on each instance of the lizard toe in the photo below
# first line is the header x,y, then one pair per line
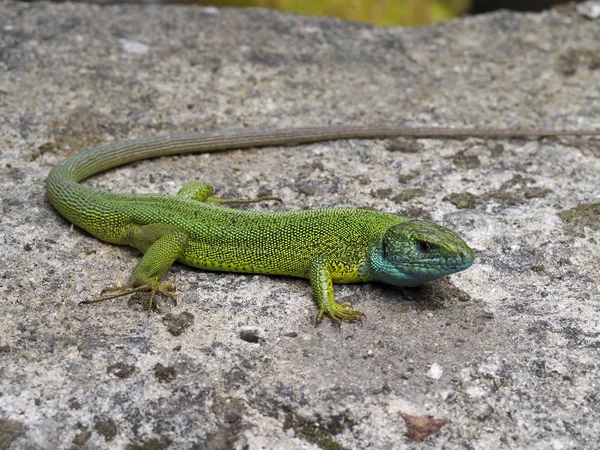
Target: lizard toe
x,y
339,312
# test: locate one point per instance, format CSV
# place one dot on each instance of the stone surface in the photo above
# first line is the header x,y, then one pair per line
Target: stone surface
x,y
506,352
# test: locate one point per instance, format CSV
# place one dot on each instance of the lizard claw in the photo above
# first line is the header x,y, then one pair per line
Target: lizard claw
x,y
339,312
167,288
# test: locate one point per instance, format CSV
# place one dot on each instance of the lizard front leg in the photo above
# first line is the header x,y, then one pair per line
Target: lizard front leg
x,y
319,275
161,244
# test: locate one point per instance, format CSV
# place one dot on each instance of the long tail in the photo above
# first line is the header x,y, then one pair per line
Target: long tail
x,y
104,157
67,195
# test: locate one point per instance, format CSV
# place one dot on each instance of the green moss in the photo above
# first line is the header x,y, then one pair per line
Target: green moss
x,y
407,195
505,197
320,432
466,161
536,192
10,431
580,217
463,201
150,444
107,428
497,150
381,193
517,180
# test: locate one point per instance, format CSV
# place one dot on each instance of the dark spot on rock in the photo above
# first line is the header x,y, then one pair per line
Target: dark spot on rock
x,y
466,161
404,145
320,431
573,59
504,197
264,191
10,431
517,180
82,434
362,179
580,217
235,377
107,428
536,192
250,334
121,370
416,213
47,147
497,150
150,444
381,193
222,439
164,374
306,190
176,323
463,201
318,165
406,177
407,195
229,411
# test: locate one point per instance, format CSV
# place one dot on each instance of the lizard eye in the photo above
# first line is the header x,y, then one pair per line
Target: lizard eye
x,y
424,247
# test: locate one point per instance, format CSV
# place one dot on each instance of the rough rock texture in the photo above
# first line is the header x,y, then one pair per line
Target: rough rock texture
x,y
506,352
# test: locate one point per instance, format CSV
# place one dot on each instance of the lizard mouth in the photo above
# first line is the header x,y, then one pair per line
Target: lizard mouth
x,y
444,266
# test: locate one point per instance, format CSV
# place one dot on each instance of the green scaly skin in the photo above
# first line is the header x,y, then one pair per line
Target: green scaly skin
x,y
324,245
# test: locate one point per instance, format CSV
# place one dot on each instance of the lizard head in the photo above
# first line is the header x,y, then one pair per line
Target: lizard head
x,y
415,252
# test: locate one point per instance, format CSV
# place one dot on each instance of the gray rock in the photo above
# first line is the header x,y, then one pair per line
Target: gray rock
x,y
514,340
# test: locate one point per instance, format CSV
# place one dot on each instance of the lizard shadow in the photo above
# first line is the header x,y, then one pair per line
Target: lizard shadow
x,y
432,296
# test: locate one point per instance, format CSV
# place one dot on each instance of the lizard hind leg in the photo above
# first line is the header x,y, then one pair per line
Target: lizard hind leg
x,y
161,244
194,190
165,289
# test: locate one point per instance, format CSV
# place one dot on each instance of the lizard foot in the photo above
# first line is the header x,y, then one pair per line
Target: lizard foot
x,y
167,288
340,311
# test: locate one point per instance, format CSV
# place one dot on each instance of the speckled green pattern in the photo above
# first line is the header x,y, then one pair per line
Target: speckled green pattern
x,y
324,245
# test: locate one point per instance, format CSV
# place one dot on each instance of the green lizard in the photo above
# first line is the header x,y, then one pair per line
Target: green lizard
x,y
336,245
